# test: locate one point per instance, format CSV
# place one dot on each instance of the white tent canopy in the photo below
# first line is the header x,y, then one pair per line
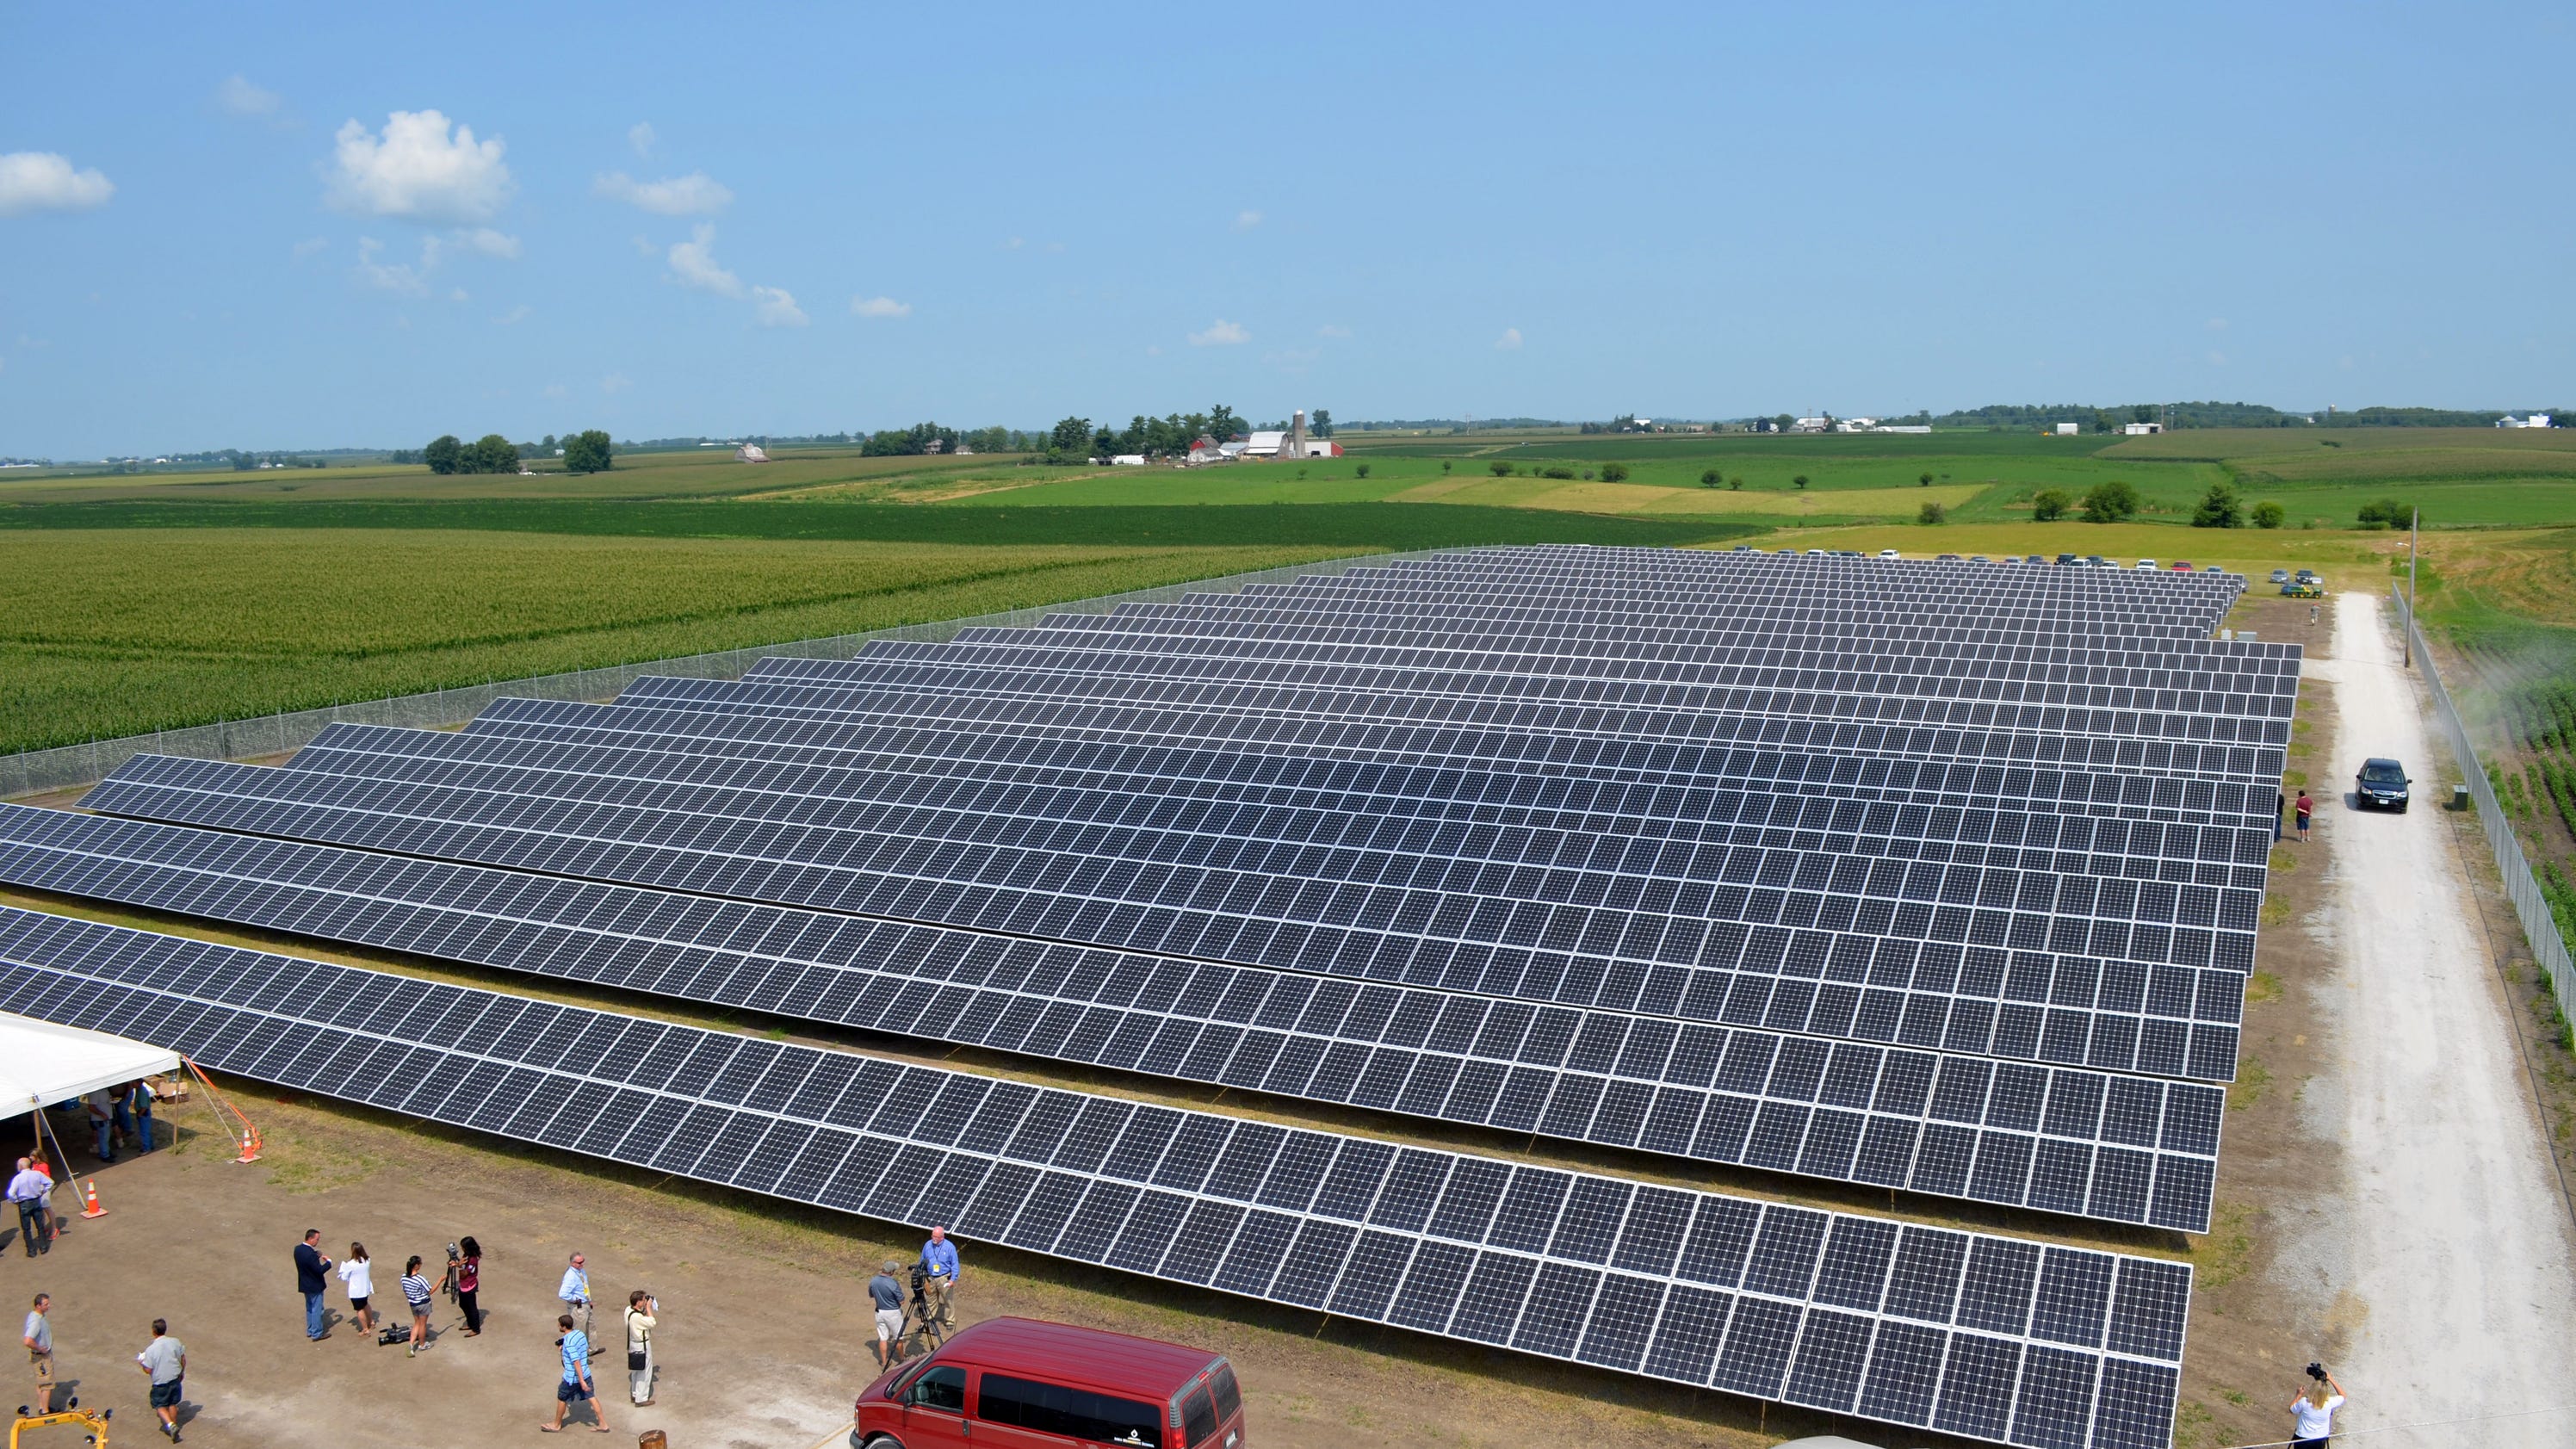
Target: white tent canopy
x,y
41,1063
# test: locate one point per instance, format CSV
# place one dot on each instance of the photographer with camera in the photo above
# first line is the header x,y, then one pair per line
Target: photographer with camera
x,y
642,1309
2313,1410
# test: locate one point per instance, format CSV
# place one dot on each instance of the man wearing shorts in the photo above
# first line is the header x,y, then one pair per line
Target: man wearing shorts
x,y
40,1351
887,1295
165,1362
576,1386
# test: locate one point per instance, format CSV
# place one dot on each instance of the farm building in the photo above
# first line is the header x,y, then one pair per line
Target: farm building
x,y
2140,430
1277,445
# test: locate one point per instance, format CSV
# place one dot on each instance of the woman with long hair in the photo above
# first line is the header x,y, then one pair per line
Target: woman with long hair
x,y
358,1275
416,1293
466,1279
2312,1412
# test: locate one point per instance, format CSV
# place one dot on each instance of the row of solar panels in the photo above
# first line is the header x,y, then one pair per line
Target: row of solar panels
x,y
2065,1140
1971,1334
2177,1018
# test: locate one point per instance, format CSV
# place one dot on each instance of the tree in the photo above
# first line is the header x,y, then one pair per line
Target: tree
x,y
2268,514
1444,465
2387,513
1499,468
1614,472
444,454
1931,512
1104,445
2110,502
1071,435
1363,470
2050,504
1735,484
1222,424
1322,426
1924,481
1710,478
548,443
1800,480
2219,508
587,452
1782,423
494,454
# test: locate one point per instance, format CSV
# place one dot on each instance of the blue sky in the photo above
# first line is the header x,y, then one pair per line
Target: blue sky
x,y
242,226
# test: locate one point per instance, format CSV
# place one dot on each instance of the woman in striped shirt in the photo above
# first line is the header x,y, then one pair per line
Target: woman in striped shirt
x,y
416,1293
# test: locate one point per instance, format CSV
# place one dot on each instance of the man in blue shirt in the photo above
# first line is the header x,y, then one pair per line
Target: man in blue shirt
x,y
939,1279
576,1386
27,1189
310,1264
575,1292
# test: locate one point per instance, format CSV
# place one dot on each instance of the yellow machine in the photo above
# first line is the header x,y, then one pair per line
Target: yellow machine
x,y
95,1423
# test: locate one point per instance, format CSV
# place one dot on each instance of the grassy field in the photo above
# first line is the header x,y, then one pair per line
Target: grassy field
x,y
109,633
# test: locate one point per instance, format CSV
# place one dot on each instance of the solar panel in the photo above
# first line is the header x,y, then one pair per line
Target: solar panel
x,y
2060,1140
1971,1334
1735,956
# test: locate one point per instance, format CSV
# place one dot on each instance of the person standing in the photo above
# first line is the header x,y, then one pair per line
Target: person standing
x,y
139,1098
415,1289
642,1311
39,1336
2306,808
2280,808
165,1362
102,1125
576,1386
575,1293
467,1279
359,1277
2312,1412
27,1189
310,1265
939,1279
887,1295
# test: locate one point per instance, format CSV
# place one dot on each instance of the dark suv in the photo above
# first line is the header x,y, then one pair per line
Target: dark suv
x,y
2381,785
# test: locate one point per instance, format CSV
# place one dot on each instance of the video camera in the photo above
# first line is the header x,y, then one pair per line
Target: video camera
x,y
2317,1371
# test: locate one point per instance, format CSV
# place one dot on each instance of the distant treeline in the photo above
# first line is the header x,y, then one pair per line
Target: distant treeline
x,y
1455,425
2209,415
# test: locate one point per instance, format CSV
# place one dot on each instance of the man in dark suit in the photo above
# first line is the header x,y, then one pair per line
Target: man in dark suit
x,y
311,1264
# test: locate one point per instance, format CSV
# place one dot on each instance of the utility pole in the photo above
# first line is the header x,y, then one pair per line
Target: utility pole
x,y
2414,532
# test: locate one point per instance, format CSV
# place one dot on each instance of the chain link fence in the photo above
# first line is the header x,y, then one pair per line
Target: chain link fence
x,y
2539,924
34,772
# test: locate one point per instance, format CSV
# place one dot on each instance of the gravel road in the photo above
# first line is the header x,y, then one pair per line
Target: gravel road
x,y
2456,1256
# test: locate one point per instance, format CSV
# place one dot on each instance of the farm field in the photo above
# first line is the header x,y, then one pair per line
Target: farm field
x,y
114,632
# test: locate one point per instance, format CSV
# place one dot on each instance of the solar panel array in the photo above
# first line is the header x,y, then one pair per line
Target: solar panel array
x,y
2120,1148
1937,877
1969,1333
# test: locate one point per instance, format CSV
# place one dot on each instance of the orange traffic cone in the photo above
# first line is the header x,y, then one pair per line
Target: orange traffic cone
x,y
89,1200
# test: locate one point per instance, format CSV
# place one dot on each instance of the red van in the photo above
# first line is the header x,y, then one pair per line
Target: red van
x,y
1016,1383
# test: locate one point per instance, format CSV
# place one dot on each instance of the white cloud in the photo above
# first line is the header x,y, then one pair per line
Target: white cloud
x,y
2217,324
44,181
880,307
555,390
242,98
775,308
693,264
1246,220
640,136
1154,349
1510,341
1221,334
1015,243
696,194
308,247
515,314
2217,358
392,276
1332,329
614,383
483,239
418,171
456,294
